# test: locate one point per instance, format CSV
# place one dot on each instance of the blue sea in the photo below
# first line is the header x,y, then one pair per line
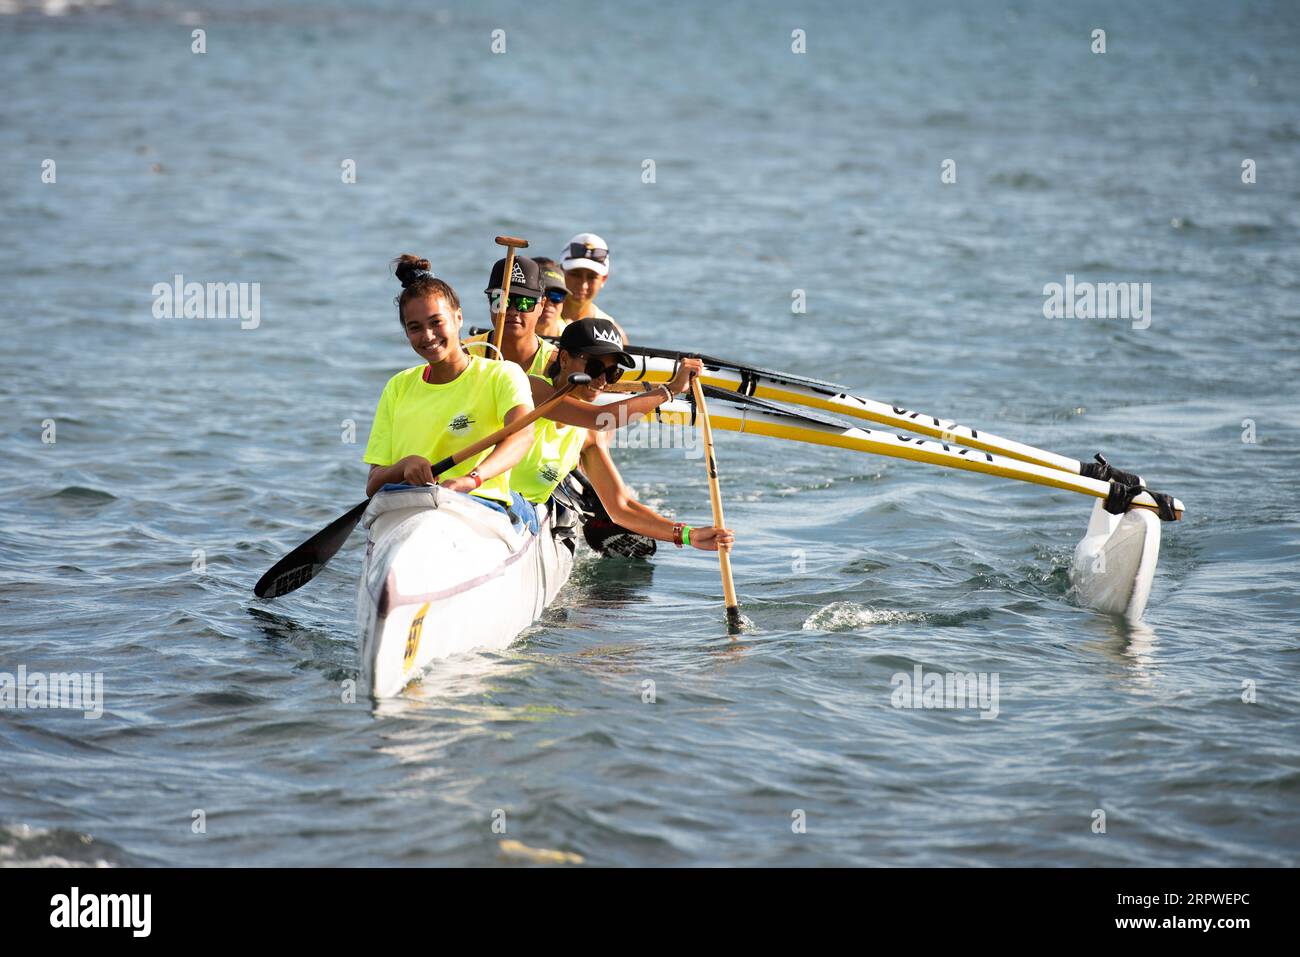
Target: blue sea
x,y
913,176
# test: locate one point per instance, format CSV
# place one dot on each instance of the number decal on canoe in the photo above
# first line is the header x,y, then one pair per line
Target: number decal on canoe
x,y
413,637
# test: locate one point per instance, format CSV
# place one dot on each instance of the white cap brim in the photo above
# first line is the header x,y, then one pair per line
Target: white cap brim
x,y
600,269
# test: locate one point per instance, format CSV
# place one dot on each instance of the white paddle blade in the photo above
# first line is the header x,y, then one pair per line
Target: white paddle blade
x,y
1115,564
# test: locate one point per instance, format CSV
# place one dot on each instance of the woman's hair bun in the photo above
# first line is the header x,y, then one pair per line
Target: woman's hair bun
x,y
411,269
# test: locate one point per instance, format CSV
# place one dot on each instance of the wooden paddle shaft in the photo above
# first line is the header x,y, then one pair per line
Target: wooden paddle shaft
x,y
506,431
715,499
511,243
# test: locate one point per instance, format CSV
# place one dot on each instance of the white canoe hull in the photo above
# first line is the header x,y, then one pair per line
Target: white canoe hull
x,y
1115,564
444,575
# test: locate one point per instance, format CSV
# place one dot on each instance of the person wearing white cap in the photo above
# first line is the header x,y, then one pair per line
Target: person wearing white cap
x,y
586,267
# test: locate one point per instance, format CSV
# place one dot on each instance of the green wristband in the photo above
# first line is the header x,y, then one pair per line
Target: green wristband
x,y
686,534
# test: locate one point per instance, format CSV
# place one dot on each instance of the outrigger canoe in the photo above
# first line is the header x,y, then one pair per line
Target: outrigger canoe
x,y
1113,567
444,575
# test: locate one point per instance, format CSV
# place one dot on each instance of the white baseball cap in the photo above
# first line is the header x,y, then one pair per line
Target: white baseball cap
x,y
586,251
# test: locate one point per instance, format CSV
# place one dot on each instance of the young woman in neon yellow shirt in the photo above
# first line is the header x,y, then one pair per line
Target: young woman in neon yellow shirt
x,y
451,400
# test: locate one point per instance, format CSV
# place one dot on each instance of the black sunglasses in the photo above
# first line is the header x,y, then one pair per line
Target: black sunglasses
x,y
579,251
596,368
556,295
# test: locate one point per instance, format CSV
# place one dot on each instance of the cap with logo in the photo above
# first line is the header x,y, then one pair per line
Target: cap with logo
x,y
595,337
587,251
553,278
525,278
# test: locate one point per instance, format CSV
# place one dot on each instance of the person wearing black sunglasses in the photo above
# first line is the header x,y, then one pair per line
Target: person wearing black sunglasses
x,y
520,342
577,433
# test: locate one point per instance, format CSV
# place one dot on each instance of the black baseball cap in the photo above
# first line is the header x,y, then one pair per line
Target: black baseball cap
x,y
525,278
553,278
595,337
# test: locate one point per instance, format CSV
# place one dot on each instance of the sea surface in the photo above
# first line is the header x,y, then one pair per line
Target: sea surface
x,y
152,468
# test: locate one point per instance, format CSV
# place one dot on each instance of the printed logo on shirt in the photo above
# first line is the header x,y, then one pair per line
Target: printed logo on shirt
x,y
548,474
460,423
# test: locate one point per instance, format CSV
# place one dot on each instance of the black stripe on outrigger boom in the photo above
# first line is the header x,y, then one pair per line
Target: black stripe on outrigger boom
x,y
740,401
749,375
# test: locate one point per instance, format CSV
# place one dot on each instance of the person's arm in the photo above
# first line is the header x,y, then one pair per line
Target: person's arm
x,y
503,457
602,418
381,475
614,415
379,447
625,510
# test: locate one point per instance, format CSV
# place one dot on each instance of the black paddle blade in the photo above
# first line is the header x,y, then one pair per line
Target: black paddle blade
x,y
303,563
602,534
610,539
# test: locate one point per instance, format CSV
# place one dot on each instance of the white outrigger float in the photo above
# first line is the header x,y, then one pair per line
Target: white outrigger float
x,y
444,575
1114,566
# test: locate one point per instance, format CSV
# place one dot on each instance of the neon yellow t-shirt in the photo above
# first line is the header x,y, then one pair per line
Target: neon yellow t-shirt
x,y
541,359
593,311
415,417
554,454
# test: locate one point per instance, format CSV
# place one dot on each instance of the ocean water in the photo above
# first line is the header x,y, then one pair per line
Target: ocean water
x,y
184,444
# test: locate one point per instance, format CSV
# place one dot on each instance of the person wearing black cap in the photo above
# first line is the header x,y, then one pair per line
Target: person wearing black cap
x,y
577,433
520,343
554,291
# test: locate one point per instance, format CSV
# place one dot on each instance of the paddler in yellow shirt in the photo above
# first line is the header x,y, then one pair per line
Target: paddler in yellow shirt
x,y
595,347
520,343
449,401
523,346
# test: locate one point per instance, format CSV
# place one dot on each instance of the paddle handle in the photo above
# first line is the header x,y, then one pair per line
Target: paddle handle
x,y
715,499
505,432
511,243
